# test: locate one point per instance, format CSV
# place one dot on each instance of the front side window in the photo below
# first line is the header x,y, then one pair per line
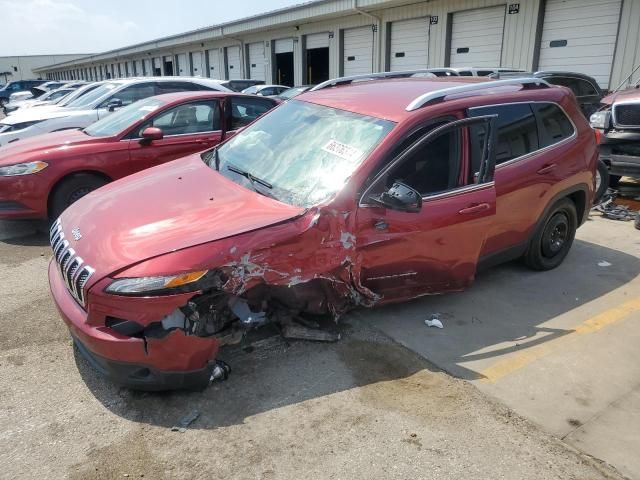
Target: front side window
x,y
241,111
88,98
171,87
302,153
190,118
123,118
517,130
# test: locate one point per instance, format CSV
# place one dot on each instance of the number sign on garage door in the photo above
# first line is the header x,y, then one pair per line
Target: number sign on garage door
x,y
409,44
358,51
257,61
234,66
580,35
476,37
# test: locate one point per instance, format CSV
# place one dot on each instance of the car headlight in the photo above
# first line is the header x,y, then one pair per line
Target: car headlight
x,y
22,169
182,282
601,120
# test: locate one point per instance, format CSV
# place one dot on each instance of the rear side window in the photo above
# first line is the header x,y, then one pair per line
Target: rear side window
x,y
554,124
244,110
171,87
517,130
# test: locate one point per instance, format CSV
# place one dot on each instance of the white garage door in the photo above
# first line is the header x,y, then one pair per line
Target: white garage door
x,y
197,64
317,40
234,64
183,67
580,35
148,69
283,45
358,51
215,71
476,37
257,61
409,44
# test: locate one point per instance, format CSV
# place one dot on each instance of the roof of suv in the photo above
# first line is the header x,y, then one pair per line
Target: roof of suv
x,y
384,99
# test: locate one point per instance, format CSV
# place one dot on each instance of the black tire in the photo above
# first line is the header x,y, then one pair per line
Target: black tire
x,y
602,181
71,190
614,181
552,241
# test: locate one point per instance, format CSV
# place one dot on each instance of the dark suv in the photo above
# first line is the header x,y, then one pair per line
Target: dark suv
x,y
17,86
361,192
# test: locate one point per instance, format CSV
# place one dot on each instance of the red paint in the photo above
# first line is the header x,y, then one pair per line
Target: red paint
x,y
163,221
114,157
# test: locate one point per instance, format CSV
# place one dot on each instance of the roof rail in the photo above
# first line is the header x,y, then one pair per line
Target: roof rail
x,y
368,76
431,97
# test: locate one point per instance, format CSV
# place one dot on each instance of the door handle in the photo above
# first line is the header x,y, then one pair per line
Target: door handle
x,y
480,207
547,168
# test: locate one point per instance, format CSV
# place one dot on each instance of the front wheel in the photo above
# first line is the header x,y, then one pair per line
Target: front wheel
x,y
71,190
551,243
602,181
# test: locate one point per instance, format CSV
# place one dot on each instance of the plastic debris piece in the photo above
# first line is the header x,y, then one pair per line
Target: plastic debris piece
x,y
185,421
434,322
241,309
603,263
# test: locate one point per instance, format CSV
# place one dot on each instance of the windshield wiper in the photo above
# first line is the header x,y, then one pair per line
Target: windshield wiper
x,y
250,177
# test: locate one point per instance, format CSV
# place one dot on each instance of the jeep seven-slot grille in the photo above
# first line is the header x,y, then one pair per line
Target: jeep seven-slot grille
x,y
627,115
74,271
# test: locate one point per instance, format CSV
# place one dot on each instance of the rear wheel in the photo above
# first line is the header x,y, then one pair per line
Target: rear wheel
x,y
551,243
73,189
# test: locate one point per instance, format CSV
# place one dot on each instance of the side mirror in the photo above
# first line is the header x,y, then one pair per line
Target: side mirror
x,y
150,134
400,197
113,104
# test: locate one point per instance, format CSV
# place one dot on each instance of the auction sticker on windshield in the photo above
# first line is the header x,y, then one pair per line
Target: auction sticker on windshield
x,y
343,151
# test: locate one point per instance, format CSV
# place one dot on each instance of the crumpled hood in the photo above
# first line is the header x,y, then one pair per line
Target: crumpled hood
x,y
164,209
630,94
33,114
45,147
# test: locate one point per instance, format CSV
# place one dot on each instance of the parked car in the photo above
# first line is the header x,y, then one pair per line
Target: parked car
x,y
294,92
354,195
240,84
17,86
584,87
102,101
19,96
266,90
41,176
617,127
47,98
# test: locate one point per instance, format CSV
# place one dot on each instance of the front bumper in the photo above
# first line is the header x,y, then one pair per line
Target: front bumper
x,y
176,361
22,197
620,151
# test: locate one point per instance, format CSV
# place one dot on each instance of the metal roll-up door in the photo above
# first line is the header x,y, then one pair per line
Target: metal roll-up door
x,y
214,65
476,37
234,63
197,64
157,66
409,44
317,40
580,36
148,69
283,45
358,51
257,61
183,66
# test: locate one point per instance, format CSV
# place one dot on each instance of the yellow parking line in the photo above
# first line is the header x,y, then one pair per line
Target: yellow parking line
x,y
513,363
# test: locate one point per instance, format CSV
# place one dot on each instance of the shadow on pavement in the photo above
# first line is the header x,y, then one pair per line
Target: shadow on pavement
x,y
273,373
505,309
30,233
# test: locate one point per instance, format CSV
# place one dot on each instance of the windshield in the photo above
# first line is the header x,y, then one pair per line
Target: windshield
x,y
90,97
77,94
303,153
123,118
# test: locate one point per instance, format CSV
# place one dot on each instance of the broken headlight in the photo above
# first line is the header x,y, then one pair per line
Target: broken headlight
x,y
181,282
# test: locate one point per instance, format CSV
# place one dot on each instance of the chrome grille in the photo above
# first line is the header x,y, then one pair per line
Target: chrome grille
x,y
74,271
627,115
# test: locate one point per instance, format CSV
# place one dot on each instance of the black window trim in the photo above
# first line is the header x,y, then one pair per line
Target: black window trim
x,y
573,136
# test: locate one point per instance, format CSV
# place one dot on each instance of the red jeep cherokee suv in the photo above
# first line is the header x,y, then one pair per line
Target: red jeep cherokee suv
x,y
361,192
